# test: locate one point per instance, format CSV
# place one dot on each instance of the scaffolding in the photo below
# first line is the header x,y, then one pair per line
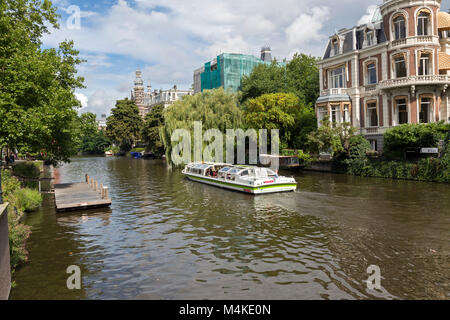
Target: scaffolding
x,y
227,71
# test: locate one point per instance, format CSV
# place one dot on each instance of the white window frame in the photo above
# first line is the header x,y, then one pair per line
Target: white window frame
x,y
395,67
336,108
397,110
338,76
369,114
368,78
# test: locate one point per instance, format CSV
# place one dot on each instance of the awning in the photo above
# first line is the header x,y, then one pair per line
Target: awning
x,y
444,61
443,21
334,98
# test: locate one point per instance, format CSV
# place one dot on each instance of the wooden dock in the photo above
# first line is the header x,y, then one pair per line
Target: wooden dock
x,y
78,196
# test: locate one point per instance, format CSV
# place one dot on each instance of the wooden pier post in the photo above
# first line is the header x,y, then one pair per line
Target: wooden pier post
x,y
105,193
87,178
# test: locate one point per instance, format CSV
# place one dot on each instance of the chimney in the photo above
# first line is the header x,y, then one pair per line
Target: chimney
x,y
266,54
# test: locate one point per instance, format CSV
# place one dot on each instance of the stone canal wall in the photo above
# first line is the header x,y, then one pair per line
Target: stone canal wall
x,y
321,166
5,268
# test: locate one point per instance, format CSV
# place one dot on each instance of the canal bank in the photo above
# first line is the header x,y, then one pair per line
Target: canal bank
x,y
5,268
165,237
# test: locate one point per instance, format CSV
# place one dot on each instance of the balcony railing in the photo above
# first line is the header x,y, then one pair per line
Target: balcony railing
x,y
333,91
415,80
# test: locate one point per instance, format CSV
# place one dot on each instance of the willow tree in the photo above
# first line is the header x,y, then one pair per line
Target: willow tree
x,y
216,109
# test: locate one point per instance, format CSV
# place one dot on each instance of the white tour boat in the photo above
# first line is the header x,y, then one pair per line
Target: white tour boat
x,y
246,179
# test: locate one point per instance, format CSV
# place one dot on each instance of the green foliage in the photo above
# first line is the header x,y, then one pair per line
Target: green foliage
x,y
327,138
303,78
18,234
96,143
123,127
20,200
306,124
28,199
37,101
264,79
28,169
413,135
274,111
214,108
153,123
300,76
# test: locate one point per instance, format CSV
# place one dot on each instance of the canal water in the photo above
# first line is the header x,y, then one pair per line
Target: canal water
x,y
165,237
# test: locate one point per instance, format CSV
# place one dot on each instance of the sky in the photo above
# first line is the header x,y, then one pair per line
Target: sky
x,y
168,39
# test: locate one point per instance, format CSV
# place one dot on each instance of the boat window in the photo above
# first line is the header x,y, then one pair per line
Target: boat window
x,y
226,169
244,173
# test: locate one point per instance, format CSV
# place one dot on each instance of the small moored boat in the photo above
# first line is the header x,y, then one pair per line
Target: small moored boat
x,y
246,179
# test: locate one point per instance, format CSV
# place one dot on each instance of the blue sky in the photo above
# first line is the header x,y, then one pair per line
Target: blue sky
x,y
168,39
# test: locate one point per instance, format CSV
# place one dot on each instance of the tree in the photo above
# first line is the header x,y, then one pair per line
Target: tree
x,y
264,79
123,127
216,109
153,122
37,101
299,76
303,78
274,111
93,140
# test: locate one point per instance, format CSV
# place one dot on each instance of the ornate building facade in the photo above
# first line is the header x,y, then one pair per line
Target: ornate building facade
x,y
145,100
391,71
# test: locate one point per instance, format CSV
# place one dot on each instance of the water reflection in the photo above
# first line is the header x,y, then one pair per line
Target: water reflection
x,y
166,237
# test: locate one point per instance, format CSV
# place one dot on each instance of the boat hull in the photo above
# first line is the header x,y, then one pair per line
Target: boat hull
x,y
272,188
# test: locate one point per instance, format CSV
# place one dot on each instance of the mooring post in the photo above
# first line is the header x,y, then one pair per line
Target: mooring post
x,y
96,185
105,193
101,188
87,178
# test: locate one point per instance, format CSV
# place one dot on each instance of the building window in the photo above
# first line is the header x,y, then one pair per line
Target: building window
x,y
371,73
402,111
399,28
372,114
373,144
335,115
338,78
322,113
424,64
335,45
400,66
425,110
422,24
370,38
346,115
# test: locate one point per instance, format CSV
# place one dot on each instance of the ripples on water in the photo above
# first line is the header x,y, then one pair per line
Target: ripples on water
x,y
165,237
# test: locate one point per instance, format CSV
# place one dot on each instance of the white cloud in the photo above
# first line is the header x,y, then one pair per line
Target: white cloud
x,y
169,39
82,98
368,16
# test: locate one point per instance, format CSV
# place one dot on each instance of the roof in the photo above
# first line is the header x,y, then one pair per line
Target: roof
x,y
444,61
443,21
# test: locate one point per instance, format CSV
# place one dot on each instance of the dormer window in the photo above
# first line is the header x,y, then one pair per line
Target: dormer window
x,y
399,28
370,38
335,46
423,22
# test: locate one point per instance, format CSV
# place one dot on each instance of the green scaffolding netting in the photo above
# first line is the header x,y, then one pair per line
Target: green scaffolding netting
x,y
228,71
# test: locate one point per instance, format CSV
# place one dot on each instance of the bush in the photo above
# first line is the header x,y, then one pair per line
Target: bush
x,y
28,199
413,136
28,169
18,234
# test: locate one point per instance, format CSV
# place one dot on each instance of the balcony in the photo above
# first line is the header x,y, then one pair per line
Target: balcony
x,y
334,92
415,80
